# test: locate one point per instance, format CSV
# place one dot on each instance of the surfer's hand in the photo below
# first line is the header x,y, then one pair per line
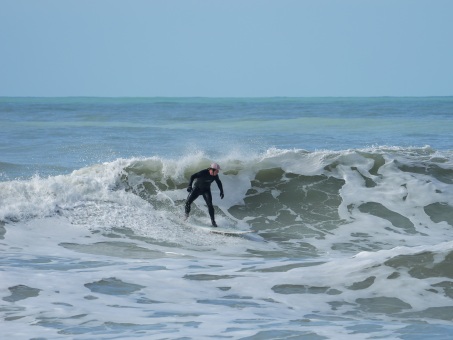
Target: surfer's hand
x,y
189,189
221,195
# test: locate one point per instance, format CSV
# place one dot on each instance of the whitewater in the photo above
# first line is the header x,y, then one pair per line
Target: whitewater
x,y
350,201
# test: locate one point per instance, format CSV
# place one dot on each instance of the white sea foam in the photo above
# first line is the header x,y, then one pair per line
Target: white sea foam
x,y
347,240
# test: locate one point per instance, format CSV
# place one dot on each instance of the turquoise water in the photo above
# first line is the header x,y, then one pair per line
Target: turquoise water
x,y
350,199
44,134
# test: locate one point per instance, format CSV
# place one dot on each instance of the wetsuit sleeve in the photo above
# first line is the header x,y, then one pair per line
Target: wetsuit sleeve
x,y
193,177
219,184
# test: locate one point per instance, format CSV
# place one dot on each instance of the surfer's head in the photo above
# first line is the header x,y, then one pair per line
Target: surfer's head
x,y
215,166
214,169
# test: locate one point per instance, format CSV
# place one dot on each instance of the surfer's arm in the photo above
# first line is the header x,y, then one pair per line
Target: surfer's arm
x,y
219,184
192,178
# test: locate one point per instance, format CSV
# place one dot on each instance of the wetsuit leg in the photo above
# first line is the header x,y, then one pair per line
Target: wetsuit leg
x,y
208,199
193,195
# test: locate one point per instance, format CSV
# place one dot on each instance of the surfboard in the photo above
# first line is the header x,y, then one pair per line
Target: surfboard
x,y
221,231
229,232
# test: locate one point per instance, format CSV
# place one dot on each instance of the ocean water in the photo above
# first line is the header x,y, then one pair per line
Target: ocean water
x,y
350,201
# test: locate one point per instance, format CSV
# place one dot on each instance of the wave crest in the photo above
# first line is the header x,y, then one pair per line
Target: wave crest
x,y
351,200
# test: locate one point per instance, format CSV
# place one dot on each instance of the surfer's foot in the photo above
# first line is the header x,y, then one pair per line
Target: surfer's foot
x,y
213,223
186,216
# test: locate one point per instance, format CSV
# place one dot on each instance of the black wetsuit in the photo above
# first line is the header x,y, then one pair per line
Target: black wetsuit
x,y
202,186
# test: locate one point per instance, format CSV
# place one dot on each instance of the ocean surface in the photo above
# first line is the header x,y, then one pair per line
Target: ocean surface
x,y
350,201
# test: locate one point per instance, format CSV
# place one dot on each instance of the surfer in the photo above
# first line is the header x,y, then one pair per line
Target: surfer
x,y
202,186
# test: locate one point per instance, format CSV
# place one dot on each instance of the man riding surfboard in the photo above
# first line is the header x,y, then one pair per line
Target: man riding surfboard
x,y
202,186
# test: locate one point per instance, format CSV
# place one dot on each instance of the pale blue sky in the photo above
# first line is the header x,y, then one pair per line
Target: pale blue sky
x,y
228,48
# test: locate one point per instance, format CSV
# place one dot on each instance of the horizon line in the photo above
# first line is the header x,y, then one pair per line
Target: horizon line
x,y
227,97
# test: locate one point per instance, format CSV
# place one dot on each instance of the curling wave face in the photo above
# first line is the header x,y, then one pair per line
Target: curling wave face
x,y
348,200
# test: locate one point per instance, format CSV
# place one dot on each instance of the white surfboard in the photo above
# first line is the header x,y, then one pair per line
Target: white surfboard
x,y
221,231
